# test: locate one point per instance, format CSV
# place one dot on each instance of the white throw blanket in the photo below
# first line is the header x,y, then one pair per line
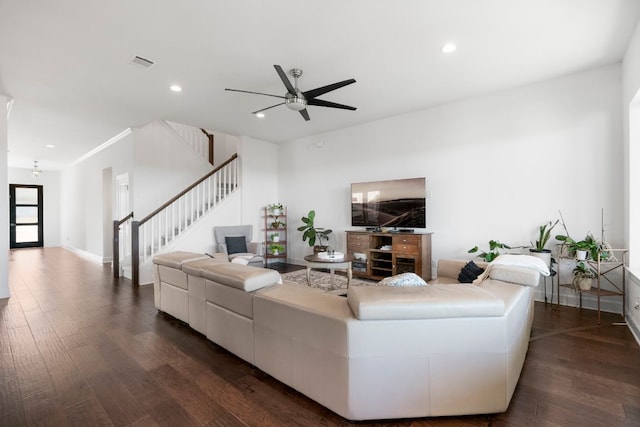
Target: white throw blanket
x,y
511,260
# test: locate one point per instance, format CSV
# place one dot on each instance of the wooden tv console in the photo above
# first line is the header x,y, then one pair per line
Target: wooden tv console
x,y
389,254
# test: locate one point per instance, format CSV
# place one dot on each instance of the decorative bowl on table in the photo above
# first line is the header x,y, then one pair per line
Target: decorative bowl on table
x,y
330,256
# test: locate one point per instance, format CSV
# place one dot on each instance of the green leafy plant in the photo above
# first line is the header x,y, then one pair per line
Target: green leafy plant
x,y
492,253
275,208
544,233
589,244
583,274
276,248
583,270
277,224
311,232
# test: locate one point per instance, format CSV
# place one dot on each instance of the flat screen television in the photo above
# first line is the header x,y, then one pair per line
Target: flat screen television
x,y
399,203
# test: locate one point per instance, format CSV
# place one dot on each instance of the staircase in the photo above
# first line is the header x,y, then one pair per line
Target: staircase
x,y
153,233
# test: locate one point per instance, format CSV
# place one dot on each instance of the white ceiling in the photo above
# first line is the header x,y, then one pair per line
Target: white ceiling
x,y
67,63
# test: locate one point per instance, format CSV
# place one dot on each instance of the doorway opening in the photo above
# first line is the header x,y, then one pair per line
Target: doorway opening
x,y
25,216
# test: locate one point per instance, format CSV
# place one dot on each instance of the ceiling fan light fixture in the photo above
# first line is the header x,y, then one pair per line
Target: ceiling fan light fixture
x,y
295,103
260,115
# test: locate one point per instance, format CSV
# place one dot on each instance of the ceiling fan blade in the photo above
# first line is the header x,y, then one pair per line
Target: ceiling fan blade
x,y
264,109
321,103
285,80
304,113
254,93
328,88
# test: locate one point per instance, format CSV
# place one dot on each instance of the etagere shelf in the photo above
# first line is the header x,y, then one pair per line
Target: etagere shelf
x,y
275,223
603,270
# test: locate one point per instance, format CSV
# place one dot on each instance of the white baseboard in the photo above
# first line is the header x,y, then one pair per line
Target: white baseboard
x,y
84,254
634,328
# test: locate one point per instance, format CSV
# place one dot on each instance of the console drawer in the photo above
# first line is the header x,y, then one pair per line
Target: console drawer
x,y
357,242
406,244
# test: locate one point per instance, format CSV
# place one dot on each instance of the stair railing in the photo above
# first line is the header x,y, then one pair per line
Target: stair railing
x,y
117,224
155,231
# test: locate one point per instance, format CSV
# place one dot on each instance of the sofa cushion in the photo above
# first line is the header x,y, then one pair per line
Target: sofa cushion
x,y
177,258
194,267
469,272
236,244
403,279
518,275
240,276
423,302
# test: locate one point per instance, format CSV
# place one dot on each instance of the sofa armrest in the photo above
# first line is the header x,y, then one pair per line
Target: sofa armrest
x,y
254,248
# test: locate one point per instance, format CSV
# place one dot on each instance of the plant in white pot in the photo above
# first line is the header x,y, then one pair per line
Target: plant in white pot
x,y
275,208
584,249
275,237
276,249
582,277
539,248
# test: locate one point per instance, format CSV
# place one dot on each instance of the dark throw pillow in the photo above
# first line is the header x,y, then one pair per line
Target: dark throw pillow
x,y
469,272
236,245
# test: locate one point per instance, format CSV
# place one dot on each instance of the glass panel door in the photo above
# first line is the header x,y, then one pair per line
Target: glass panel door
x,y
25,216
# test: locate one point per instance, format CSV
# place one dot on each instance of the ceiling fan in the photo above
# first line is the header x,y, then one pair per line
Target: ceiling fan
x,y
297,100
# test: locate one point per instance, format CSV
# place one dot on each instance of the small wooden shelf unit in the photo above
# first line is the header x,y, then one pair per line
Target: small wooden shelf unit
x,y
269,218
388,254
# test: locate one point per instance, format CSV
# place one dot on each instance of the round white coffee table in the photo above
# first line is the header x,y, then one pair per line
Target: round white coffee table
x,y
343,263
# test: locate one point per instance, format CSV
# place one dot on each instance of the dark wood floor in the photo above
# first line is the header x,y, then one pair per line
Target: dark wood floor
x,y
78,348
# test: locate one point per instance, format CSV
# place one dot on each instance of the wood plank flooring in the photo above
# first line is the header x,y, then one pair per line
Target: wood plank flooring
x,y
80,348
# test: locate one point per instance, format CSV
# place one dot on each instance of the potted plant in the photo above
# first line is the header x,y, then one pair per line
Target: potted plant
x,y
313,233
275,208
277,224
276,249
582,277
494,250
583,249
275,237
538,249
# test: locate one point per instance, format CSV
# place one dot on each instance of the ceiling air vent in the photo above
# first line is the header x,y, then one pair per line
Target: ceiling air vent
x,y
142,62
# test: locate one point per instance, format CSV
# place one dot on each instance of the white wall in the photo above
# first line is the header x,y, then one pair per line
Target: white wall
x,y
224,146
163,166
260,178
631,114
497,166
4,200
82,207
50,181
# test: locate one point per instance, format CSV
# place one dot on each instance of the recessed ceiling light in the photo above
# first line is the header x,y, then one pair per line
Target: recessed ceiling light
x,y
449,48
50,146
260,115
175,88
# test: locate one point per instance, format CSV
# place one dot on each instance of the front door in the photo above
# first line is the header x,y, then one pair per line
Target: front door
x,y
25,216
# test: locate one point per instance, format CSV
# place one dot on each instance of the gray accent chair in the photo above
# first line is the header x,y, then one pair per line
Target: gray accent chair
x,y
254,249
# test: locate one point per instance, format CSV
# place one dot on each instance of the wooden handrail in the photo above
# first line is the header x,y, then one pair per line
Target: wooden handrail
x,y
210,137
186,190
123,220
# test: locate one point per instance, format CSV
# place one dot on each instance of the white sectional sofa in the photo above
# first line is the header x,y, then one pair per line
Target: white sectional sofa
x,y
380,353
